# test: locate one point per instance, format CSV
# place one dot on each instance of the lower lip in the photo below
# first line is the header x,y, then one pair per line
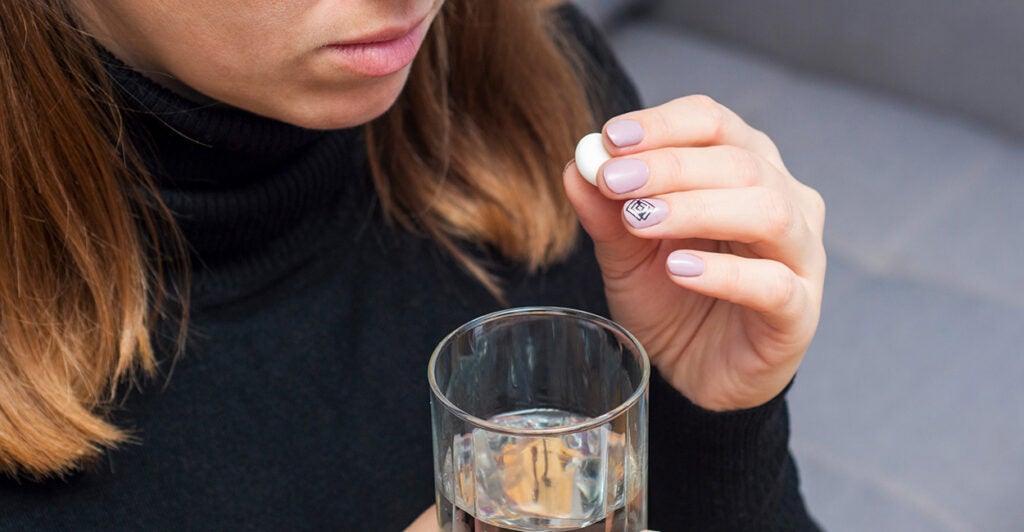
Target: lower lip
x,y
382,58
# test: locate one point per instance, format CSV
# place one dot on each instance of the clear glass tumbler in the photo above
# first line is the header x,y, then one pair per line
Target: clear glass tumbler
x,y
540,423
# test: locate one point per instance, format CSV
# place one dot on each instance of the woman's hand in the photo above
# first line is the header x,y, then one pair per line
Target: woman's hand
x,y
426,522
711,252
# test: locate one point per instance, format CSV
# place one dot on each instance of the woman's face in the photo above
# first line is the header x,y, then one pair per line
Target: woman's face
x,y
315,63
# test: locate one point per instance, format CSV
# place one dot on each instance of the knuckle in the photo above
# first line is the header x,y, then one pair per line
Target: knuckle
x,y
702,101
679,166
664,122
730,279
714,114
781,291
745,166
700,210
817,207
764,143
779,214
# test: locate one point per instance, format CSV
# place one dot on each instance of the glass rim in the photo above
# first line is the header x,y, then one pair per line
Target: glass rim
x,y
581,426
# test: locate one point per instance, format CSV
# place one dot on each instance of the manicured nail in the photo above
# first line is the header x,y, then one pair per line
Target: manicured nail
x,y
624,132
625,175
642,213
684,264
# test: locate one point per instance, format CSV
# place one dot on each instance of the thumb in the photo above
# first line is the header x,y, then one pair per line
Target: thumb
x,y
601,218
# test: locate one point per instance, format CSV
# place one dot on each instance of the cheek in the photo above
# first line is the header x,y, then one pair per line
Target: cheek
x,y
286,83
291,91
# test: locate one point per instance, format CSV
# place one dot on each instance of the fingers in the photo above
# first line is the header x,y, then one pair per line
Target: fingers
x,y
762,218
688,121
426,522
691,168
664,170
765,286
597,214
600,218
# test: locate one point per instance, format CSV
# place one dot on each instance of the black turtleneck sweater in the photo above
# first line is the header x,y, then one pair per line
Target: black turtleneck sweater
x,y
301,402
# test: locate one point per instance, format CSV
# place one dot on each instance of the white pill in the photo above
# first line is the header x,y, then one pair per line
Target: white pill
x,y
590,155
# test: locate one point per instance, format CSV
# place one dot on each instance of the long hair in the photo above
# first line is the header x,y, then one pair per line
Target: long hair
x,y
470,156
81,271
490,114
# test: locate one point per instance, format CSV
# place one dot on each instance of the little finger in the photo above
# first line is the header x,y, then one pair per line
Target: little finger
x,y
765,286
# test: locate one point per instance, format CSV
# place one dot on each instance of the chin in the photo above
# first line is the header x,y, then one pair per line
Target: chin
x,y
347,109
338,119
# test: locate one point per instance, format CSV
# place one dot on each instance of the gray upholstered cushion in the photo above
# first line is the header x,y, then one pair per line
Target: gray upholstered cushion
x,y
907,413
966,57
605,11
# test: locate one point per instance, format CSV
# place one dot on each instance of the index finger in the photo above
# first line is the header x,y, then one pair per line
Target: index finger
x,y
696,120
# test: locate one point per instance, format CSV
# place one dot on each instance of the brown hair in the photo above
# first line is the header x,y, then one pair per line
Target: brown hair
x,y
489,116
77,289
483,126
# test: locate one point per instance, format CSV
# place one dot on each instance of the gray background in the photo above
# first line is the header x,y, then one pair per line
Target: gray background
x,y
908,413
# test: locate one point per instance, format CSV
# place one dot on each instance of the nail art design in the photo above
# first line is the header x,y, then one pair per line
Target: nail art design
x,y
642,213
641,209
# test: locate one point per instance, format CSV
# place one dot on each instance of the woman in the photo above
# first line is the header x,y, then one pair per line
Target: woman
x,y
346,182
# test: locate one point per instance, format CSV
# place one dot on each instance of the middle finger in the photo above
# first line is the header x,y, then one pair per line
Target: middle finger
x,y
665,170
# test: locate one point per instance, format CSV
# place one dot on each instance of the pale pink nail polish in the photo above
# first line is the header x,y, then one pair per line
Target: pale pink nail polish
x,y
624,132
684,264
625,175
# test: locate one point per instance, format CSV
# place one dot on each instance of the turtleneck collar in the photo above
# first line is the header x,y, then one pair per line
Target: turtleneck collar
x,y
240,140
249,193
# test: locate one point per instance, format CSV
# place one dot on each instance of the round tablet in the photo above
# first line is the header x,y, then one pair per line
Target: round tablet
x,y
590,155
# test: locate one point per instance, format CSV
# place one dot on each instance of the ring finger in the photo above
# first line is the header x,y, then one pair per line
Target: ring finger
x,y
766,220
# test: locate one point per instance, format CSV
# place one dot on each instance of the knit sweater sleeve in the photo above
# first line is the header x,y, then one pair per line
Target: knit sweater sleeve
x,y
708,470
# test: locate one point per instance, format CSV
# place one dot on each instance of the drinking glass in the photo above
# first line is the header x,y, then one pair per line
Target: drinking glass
x,y
540,423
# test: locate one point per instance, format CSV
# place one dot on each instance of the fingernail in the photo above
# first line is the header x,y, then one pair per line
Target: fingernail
x,y
624,132
684,264
642,213
625,175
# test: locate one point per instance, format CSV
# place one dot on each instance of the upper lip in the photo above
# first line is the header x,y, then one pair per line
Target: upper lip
x,y
386,34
